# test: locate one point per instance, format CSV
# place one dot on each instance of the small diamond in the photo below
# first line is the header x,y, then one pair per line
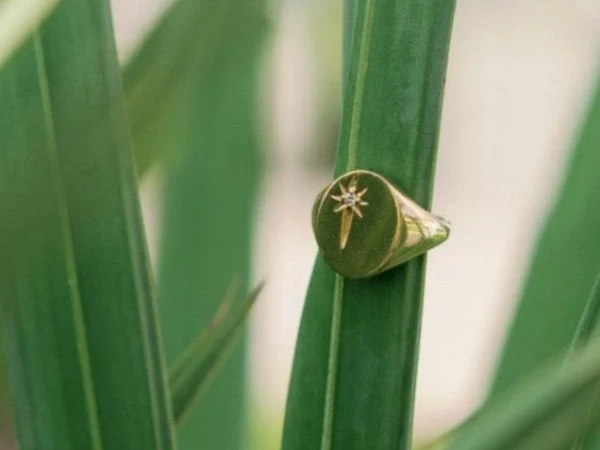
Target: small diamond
x,y
350,199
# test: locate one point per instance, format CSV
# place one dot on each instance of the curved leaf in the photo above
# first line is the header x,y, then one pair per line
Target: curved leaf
x,y
200,363
354,372
543,413
564,267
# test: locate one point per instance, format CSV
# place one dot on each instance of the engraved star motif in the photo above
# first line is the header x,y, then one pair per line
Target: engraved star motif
x,y
350,200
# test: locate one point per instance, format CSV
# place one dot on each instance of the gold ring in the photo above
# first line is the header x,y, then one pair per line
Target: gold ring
x,y
364,225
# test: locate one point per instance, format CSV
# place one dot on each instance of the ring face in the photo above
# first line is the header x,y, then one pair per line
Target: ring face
x,y
364,225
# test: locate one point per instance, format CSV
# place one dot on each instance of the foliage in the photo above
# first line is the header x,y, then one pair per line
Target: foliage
x,y
354,371
82,331
83,328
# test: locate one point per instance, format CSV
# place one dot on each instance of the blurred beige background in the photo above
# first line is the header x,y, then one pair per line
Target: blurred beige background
x,y
519,76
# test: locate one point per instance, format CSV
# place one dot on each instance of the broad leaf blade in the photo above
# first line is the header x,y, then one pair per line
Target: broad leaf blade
x,y
46,352
360,394
96,164
564,267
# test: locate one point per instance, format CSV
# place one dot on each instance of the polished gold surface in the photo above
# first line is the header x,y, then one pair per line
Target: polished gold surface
x,y
350,200
391,229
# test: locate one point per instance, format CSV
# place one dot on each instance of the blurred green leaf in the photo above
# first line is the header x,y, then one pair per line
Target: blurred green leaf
x,y
543,413
202,361
206,235
438,444
590,318
354,372
98,177
154,78
192,98
588,327
45,348
564,267
18,21
189,41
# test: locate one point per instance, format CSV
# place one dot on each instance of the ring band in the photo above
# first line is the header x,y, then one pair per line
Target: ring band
x,y
364,225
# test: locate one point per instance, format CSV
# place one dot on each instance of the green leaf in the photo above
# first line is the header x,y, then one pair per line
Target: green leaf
x,y
18,21
155,76
440,443
207,130
349,10
589,322
98,177
588,327
353,378
45,348
564,267
207,233
543,413
189,40
202,361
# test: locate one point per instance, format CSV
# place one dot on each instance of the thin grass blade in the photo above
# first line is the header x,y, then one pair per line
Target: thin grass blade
x,y
354,372
201,362
589,436
590,319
